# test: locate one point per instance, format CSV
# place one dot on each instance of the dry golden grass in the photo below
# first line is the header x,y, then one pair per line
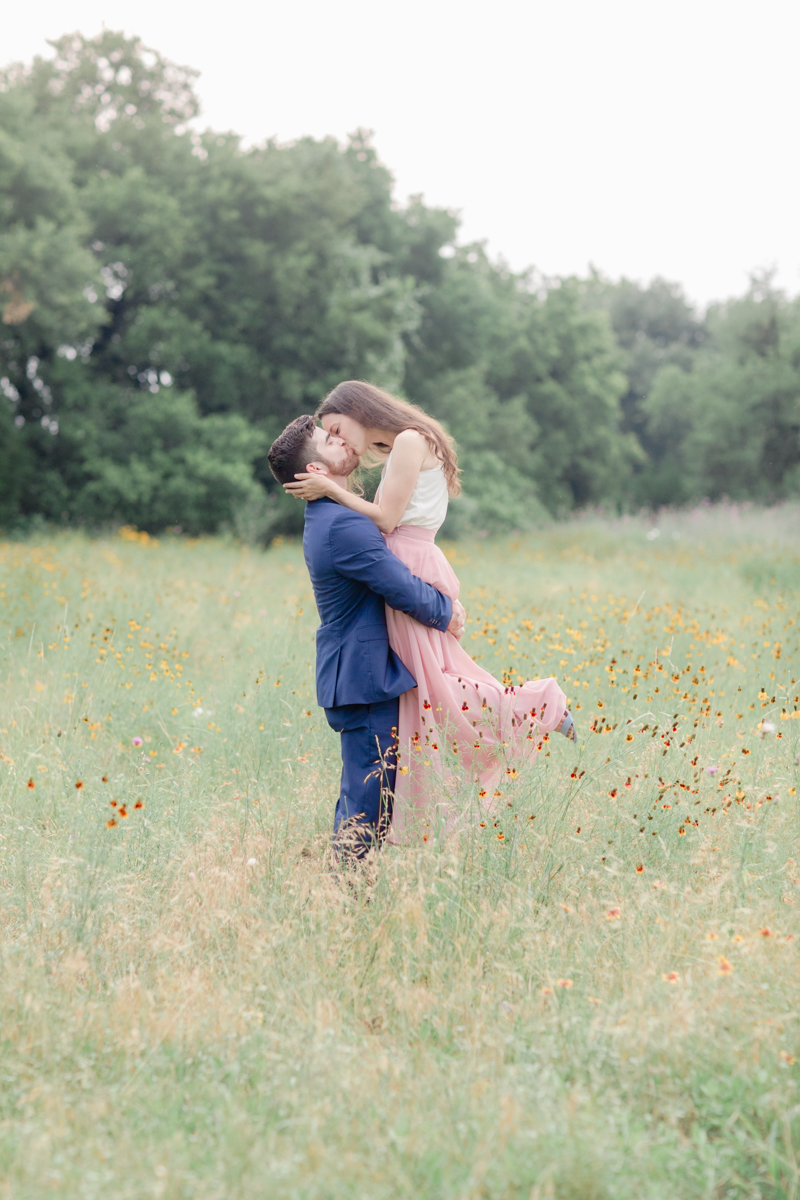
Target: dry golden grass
x,y
600,1003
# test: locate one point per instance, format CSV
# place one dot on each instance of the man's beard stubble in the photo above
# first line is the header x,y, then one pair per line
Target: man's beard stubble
x,y
350,463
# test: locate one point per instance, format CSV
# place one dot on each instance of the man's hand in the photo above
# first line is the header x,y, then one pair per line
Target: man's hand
x,y
458,620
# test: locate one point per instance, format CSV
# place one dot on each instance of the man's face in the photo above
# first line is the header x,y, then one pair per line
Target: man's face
x,y
334,453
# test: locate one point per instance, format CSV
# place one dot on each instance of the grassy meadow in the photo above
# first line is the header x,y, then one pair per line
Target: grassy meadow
x,y
594,996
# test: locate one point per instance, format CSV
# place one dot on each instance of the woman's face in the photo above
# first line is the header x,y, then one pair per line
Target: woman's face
x,y
348,429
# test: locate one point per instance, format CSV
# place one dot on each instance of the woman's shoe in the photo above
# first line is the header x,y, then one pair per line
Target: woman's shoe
x,y
568,728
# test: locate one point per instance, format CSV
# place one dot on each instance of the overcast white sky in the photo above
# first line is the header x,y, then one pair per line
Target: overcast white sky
x,y
643,138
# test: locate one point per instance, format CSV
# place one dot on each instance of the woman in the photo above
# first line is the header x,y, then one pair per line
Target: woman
x,y
456,704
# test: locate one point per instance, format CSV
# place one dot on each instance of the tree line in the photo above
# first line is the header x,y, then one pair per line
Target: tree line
x,y
170,300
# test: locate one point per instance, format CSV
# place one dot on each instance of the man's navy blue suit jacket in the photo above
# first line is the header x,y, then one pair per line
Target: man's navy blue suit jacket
x,y
353,573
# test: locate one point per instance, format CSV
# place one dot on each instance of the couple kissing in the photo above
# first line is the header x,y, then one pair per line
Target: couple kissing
x,y
392,676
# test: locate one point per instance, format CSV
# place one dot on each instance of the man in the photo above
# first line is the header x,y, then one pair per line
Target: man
x,y
359,678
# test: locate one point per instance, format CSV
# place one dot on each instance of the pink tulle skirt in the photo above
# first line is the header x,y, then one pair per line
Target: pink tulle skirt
x,y
458,712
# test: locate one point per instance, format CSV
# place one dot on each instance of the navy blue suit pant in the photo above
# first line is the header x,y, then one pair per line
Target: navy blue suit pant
x,y
369,762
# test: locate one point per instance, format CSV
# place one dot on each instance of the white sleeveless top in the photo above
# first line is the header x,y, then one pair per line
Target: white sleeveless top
x,y
427,507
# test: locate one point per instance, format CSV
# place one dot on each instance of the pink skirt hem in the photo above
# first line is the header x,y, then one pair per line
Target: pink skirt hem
x,y
458,712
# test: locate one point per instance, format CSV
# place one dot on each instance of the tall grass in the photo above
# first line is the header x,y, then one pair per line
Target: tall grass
x,y
592,996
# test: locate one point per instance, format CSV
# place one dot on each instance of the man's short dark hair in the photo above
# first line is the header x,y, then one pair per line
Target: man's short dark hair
x,y
291,453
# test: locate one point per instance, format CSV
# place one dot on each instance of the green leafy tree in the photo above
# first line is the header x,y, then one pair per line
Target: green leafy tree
x,y
48,279
243,279
15,467
528,379
655,326
730,426
564,360
170,300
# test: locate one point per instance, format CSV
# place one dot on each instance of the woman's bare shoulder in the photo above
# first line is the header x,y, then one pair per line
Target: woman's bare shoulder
x,y
413,446
410,439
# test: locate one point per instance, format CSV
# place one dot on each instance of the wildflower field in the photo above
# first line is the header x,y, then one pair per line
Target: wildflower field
x,y
592,994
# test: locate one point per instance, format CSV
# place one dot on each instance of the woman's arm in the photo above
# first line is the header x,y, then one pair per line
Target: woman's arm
x,y
408,454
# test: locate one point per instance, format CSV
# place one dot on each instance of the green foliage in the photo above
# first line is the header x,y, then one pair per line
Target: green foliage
x,y
14,467
139,457
563,360
254,281
655,327
530,379
730,425
47,273
182,277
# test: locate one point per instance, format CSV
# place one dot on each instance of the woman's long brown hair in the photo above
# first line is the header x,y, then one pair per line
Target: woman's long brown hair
x,y
375,409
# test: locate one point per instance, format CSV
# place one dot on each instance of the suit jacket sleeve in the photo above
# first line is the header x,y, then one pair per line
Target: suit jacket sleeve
x,y
359,552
